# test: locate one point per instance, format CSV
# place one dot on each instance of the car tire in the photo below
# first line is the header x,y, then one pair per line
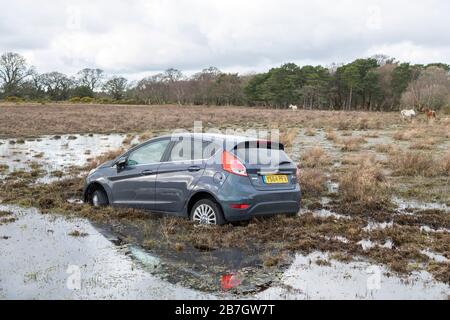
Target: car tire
x,y
291,214
207,211
98,198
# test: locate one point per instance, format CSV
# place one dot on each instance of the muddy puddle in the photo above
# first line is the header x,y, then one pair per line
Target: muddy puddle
x,y
52,257
195,266
54,154
317,277
406,206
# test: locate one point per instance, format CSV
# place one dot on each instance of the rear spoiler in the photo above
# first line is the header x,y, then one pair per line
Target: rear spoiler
x,y
260,144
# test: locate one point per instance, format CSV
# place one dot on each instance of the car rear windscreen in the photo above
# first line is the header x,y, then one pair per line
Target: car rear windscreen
x,y
264,156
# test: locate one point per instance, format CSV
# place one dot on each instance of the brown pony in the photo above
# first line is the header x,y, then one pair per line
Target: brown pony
x,y
431,114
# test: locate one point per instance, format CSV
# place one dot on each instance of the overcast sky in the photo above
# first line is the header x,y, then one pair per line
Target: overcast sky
x,y
141,37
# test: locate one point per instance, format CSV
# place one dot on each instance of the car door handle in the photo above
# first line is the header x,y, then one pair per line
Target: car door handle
x,y
194,169
147,172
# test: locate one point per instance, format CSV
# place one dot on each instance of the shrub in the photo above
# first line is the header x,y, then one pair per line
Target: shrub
x,y
14,99
75,100
104,100
365,185
43,101
87,100
446,109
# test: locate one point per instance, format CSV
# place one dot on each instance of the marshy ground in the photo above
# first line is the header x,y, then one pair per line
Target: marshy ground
x,y
376,191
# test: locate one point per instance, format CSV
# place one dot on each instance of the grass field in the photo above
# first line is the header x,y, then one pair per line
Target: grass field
x,y
28,120
366,178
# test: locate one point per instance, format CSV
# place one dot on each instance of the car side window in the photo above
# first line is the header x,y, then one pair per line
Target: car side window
x,y
149,153
188,149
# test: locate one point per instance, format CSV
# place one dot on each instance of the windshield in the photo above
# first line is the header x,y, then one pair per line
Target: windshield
x,y
262,156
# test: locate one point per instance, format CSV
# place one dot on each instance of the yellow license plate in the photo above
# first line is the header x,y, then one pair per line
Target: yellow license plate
x,y
275,179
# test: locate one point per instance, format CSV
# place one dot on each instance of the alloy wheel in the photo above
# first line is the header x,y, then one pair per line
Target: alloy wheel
x,y
204,214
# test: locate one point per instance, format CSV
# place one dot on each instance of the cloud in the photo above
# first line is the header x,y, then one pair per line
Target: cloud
x,y
146,36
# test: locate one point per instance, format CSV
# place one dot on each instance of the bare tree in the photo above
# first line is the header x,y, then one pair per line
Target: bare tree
x,y
383,59
174,79
13,71
57,85
90,78
152,90
116,87
431,89
385,82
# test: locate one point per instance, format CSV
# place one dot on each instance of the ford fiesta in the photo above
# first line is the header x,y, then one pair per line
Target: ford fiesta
x,y
209,178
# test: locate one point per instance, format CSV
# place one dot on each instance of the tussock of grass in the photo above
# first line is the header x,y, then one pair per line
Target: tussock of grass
x,y
313,182
331,136
440,270
413,163
365,185
384,148
445,164
7,220
104,157
5,214
310,132
352,144
77,233
423,144
344,125
178,247
315,157
372,135
288,136
273,260
363,124
145,136
149,243
359,159
409,134
3,168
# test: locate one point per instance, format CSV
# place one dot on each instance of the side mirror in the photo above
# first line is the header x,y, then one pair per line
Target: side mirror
x,y
121,163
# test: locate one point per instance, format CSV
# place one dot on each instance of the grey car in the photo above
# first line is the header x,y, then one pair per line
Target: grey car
x,y
209,178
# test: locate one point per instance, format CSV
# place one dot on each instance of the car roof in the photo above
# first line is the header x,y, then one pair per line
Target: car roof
x,y
214,136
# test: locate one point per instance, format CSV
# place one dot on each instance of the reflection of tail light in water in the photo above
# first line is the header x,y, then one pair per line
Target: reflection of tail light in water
x,y
229,281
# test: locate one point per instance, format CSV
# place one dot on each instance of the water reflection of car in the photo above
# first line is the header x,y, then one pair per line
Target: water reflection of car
x,y
210,178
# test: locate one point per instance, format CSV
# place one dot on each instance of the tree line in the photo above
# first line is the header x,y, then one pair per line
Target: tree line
x,y
377,83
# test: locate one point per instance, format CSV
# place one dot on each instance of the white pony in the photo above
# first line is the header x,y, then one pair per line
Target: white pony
x,y
294,108
408,114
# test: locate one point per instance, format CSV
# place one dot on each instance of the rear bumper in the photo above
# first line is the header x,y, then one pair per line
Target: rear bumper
x,y
261,203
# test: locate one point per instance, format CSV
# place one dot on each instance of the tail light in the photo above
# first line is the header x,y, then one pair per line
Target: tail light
x,y
233,165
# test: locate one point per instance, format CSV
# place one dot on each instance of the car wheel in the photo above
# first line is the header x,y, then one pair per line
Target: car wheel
x,y
99,198
206,211
291,214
